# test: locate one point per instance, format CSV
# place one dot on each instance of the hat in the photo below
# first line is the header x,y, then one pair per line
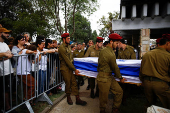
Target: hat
x,y
158,40
65,35
115,36
100,38
166,36
4,30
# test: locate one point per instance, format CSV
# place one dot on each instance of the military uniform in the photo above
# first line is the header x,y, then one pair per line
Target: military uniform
x,y
128,53
79,54
154,74
67,68
106,82
92,52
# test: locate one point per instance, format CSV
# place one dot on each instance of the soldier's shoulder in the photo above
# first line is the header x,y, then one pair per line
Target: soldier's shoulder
x,y
131,47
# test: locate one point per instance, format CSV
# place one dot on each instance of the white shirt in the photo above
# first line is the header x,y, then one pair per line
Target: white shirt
x,y
7,63
43,61
24,65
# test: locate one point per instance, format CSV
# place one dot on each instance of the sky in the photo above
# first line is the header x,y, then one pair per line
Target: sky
x,y
104,8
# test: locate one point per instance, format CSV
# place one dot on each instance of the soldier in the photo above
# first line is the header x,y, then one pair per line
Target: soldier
x,y
93,51
154,73
79,53
106,82
90,43
157,41
126,51
67,68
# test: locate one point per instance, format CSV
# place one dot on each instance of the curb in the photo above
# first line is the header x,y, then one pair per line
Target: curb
x,y
48,108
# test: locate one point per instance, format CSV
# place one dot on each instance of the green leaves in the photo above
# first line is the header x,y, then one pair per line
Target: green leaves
x,y
107,23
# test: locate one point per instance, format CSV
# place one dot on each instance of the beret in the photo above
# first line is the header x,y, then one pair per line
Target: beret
x,y
115,36
65,35
100,38
166,36
158,40
4,30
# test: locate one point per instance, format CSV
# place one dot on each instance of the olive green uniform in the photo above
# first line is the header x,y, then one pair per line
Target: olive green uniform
x,y
67,68
92,52
106,82
128,53
154,74
79,54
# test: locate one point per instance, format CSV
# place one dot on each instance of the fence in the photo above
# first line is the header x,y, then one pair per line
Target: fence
x,y
30,78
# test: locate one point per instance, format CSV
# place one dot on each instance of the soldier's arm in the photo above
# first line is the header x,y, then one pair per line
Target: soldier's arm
x,y
87,53
114,67
118,57
66,59
74,54
133,54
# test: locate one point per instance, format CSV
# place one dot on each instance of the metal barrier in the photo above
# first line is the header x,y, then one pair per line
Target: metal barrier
x,y
32,78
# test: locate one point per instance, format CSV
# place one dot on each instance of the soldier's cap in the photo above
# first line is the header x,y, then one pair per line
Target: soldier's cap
x,y
166,36
64,35
115,36
100,38
4,30
158,40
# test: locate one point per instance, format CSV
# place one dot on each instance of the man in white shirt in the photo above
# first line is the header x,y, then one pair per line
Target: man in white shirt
x,y
5,68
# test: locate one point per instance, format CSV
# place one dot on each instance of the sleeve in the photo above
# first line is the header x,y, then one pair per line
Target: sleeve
x,y
133,54
87,53
66,58
74,54
118,57
114,67
15,50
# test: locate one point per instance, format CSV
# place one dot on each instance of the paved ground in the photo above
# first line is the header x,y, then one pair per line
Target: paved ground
x,y
91,107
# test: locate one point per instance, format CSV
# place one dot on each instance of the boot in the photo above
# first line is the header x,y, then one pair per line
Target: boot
x,y
115,110
102,111
69,101
92,94
88,87
79,101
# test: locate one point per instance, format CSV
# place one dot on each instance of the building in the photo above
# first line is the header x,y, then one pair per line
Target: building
x,y
142,20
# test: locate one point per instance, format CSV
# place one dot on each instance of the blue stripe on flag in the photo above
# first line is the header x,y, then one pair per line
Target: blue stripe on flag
x,y
124,70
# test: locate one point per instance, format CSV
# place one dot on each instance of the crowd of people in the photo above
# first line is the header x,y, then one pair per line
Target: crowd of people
x,y
154,71
21,59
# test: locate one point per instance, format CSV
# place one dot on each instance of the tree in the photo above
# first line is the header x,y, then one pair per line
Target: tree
x,y
107,23
20,16
94,36
82,28
69,8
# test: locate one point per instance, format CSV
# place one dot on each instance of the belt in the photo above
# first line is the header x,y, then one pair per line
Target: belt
x,y
152,79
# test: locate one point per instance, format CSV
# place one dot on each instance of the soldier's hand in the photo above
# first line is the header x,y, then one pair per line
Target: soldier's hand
x,y
123,80
76,72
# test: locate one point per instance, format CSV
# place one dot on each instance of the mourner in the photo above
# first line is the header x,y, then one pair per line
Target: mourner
x,y
106,82
67,68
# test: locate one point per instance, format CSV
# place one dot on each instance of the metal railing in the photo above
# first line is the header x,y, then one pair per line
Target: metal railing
x,y
30,79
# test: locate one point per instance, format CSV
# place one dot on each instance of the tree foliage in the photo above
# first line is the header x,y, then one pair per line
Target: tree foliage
x,y
43,16
20,16
82,28
107,23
